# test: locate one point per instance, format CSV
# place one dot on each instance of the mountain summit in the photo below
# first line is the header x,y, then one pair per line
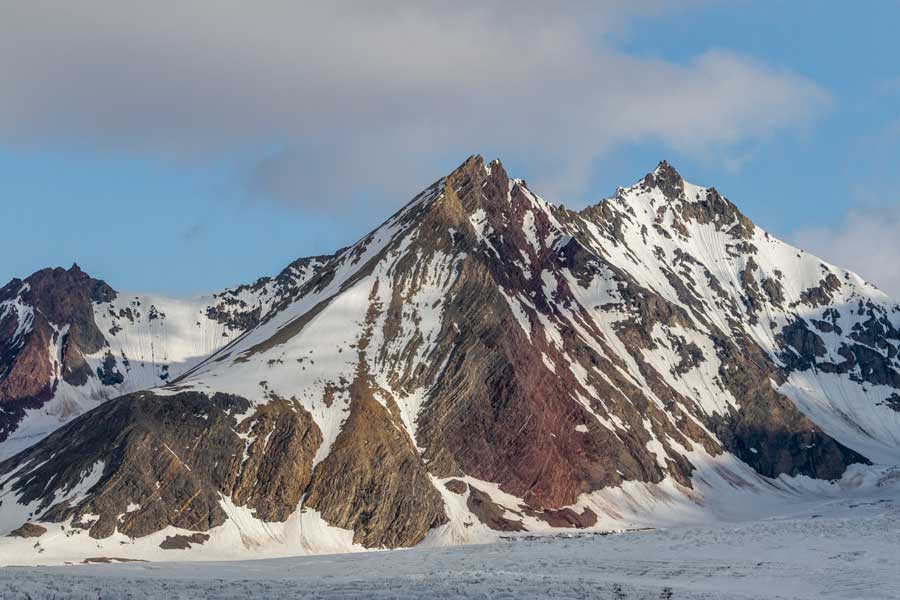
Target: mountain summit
x,y
483,362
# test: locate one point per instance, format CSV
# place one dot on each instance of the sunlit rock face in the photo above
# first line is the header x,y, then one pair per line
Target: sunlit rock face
x,y
482,362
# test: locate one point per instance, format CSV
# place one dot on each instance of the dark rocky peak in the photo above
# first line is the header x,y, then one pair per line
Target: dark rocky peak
x,y
716,208
663,178
61,301
58,292
476,186
71,281
488,187
12,289
666,179
704,206
497,170
473,166
64,297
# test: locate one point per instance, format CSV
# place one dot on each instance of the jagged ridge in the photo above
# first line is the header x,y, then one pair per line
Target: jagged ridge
x,y
488,361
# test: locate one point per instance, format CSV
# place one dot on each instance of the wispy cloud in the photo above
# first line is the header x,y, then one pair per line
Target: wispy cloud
x,y
193,232
365,97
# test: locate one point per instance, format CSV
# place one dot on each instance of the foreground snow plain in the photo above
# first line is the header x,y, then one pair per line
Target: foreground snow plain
x,y
833,549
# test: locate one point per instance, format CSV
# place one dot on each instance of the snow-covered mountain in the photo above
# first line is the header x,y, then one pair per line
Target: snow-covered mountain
x,y
69,342
485,362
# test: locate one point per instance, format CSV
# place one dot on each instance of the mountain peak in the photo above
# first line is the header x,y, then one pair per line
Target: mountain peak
x,y
475,166
663,167
474,163
481,363
666,178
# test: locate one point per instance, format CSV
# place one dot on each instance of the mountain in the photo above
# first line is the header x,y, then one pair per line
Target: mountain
x,y
483,363
69,342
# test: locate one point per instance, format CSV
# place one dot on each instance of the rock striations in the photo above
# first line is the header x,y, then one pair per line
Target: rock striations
x,y
483,363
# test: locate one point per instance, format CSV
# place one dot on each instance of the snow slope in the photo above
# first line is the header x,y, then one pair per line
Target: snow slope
x,y
150,340
832,549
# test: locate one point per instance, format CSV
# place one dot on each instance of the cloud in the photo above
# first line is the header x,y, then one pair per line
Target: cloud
x,y
191,233
865,242
368,99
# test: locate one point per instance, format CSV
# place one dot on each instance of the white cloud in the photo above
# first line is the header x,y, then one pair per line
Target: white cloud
x,y
866,241
359,97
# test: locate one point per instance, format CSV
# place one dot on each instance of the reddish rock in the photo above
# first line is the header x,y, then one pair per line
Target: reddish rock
x,y
456,486
490,513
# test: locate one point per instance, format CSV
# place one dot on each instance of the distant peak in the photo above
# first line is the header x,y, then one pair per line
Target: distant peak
x,y
475,161
666,178
475,166
498,173
666,171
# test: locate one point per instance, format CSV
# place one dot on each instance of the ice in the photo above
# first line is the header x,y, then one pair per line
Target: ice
x,y
841,549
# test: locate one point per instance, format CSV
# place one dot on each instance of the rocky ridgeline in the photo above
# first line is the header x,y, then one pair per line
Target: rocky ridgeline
x,y
482,339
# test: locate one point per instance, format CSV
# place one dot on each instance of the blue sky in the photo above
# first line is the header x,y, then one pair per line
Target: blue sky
x,y
180,153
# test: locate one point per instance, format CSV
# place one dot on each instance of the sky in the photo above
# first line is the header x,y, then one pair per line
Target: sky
x,y
183,147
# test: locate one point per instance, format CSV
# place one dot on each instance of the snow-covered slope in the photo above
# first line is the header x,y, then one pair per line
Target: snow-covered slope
x,y
483,363
840,549
121,343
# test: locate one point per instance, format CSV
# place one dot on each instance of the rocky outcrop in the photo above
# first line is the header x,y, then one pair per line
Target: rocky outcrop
x,y
46,327
767,431
490,513
243,307
183,542
28,530
62,326
143,462
373,480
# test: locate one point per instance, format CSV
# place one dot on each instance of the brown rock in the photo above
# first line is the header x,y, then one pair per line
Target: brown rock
x,y
183,542
456,486
174,456
28,530
567,517
278,467
490,513
373,481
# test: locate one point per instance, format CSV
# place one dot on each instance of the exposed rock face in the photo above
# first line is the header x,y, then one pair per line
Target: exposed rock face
x,y
489,513
243,307
51,310
373,481
480,334
62,326
153,462
183,542
278,465
28,530
456,486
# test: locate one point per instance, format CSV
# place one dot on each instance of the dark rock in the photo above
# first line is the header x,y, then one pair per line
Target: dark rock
x,y
28,530
109,373
489,513
173,456
822,294
456,486
569,518
373,481
183,542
